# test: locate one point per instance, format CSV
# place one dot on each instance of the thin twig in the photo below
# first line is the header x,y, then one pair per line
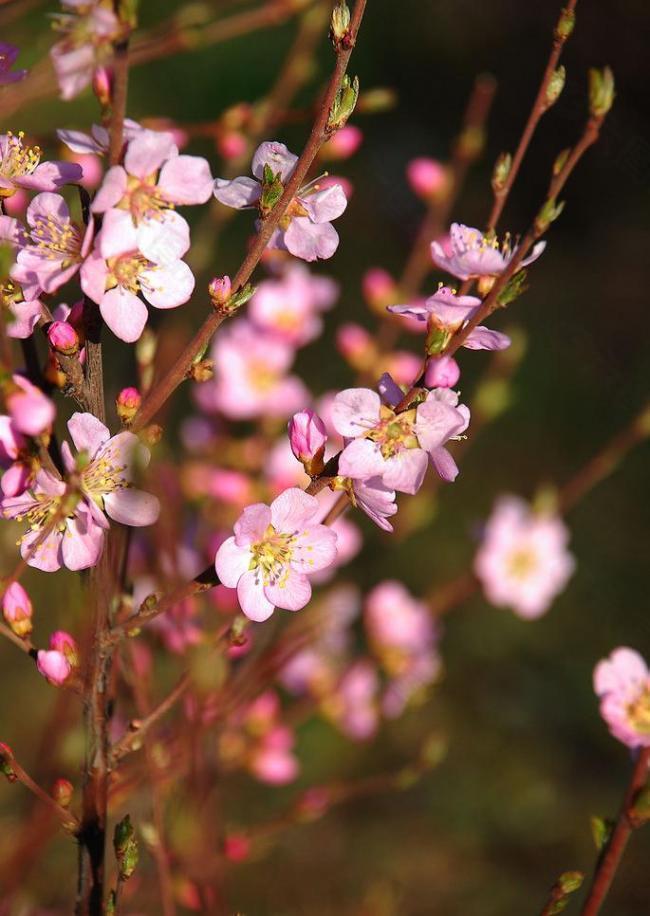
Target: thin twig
x,y
133,739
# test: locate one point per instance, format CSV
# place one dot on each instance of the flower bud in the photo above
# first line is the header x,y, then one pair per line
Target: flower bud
x,y
340,23
355,345
232,144
62,642
6,762
152,434
501,171
63,337
62,792
427,177
343,144
202,370
379,289
54,666
547,215
307,438
17,609
103,86
126,847
441,372
565,24
127,404
236,847
555,87
601,91
219,291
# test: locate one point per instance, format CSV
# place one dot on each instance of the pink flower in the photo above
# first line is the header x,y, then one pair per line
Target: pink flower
x,y
354,707
523,562
379,288
473,254
272,760
250,375
54,666
427,177
31,412
448,312
397,446
374,498
305,230
118,269
395,620
15,458
622,682
17,609
51,251
290,305
154,179
88,31
21,167
272,552
307,436
8,55
74,514
21,317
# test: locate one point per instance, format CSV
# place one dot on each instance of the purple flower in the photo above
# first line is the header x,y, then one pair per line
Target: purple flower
x,y
394,446
305,229
8,56
102,485
523,562
446,311
471,254
273,551
51,251
21,167
622,682
118,269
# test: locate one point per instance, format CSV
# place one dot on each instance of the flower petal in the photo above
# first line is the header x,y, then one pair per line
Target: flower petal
x,y
251,524
147,151
124,313
291,592
168,286
112,190
87,432
315,549
231,562
131,506
186,180
276,156
239,193
355,411
293,510
252,599
164,239
311,241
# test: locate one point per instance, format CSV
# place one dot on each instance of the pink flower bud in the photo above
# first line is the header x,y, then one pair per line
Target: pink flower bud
x,y
92,169
62,642
17,609
343,144
427,177
404,366
232,145
307,436
17,203
54,666
31,411
236,847
441,372
102,86
127,403
353,341
62,791
379,288
63,337
219,290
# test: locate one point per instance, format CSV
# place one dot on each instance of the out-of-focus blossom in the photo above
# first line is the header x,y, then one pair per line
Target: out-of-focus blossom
x,y
15,459
397,446
50,252
379,288
8,56
88,30
17,609
66,527
117,270
273,551
290,305
354,707
523,562
257,739
472,254
32,412
427,177
343,144
622,682
250,377
306,228
21,167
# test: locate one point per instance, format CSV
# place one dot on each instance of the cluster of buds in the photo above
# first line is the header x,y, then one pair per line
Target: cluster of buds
x,y
220,291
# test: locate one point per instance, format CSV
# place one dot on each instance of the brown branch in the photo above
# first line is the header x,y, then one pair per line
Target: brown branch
x,y
68,820
613,853
133,738
319,134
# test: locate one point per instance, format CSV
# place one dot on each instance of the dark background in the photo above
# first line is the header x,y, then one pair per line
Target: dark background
x,y
529,760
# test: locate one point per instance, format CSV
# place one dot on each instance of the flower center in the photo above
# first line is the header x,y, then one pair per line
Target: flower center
x,y
103,475
394,431
57,239
144,199
522,563
639,712
126,269
271,556
261,376
18,160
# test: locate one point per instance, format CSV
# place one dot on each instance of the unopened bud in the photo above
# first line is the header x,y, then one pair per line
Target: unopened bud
x,y
272,190
236,847
343,104
63,338
219,291
565,24
436,340
127,404
570,881
6,762
501,172
601,91
125,846
554,87
62,792
356,346
379,289
307,438
103,86
343,144
17,609
152,434
340,24
60,641
428,178
547,215
202,370
54,666
441,372
560,161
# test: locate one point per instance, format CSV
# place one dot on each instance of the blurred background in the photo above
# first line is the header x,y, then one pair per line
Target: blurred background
x,y
529,760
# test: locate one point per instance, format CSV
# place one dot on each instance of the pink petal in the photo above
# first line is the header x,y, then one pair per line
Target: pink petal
x,y
47,556
252,599
165,239
231,562
93,276
251,524
444,464
186,180
276,156
112,190
315,549
292,510
124,313
239,193
147,151
482,338
406,470
46,205
355,411
82,542
361,459
311,241
292,592
87,432
168,286
324,206
118,235
132,507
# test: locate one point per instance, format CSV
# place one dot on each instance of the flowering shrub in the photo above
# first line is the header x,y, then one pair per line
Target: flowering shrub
x,y
264,504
